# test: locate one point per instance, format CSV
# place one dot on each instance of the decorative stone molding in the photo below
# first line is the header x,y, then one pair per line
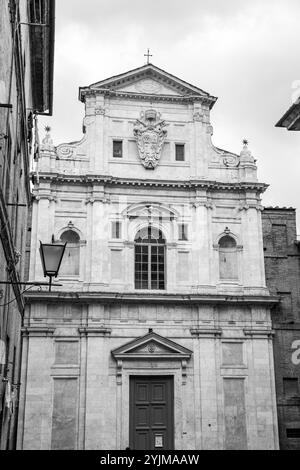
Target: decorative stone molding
x,y
171,246
198,116
129,244
258,334
150,134
62,178
243,207
205,100
39,332
246,207
68,150
206,204
100,111
91,200
46,197
94,331
152,347
148,86
65,151
206,332
119,372
209,129
231,161
180,298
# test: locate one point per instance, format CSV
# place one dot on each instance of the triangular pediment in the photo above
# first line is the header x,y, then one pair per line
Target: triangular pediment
x,y
152,346
148,85
148,80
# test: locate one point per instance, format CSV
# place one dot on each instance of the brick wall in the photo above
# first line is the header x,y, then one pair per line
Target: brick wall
x,y
282,264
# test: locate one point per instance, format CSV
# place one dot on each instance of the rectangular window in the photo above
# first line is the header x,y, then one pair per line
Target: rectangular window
x,y
293,433
116,229
279,238
182,232
179,152
117,149
290,386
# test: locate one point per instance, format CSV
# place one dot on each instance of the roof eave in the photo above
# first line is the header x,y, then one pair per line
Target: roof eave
x,y
42,63
284,121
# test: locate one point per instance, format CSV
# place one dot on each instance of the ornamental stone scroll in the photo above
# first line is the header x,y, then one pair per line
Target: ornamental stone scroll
x,y
150,134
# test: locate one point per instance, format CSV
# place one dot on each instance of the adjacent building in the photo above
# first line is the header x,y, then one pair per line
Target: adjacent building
x,y
283,278
291,119
282,262
26,78
161,336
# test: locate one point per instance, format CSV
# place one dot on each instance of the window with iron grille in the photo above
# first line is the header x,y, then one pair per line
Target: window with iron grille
x,y
293,433
150,259
116,229
117,149
182,232
290,386
179,152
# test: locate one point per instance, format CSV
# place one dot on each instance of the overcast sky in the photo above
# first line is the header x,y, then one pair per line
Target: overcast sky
x,y
244,52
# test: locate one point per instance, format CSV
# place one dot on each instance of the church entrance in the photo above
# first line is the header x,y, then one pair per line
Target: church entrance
x,y
151,422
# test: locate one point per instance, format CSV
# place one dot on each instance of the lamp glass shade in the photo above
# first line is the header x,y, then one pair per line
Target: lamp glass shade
x,y
51,256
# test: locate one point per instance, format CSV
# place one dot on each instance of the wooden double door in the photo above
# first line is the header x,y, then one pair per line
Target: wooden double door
x,y
151,413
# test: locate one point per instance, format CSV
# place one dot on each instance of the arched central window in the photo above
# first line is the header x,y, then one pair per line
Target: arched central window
x,y
70,262
228,258
149,259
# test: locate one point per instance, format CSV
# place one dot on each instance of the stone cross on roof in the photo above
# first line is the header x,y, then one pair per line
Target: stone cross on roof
x,y
148,55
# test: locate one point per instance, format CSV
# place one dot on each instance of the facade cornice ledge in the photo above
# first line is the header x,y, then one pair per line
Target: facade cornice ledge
x,y
113,297
189,98
259,333
41,331
191,184
204,332
94,331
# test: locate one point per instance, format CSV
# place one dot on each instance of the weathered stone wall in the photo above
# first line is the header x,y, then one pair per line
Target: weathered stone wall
x,y
15,90
78,398
223,322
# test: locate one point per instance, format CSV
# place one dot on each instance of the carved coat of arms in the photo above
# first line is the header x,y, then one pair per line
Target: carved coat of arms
x,y
150,134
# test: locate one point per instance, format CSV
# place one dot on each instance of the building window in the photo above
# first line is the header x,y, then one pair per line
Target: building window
x,y
150,259
293,433
117,149
279,238
228,258
182,232
116,229
290,387
179,152
70,261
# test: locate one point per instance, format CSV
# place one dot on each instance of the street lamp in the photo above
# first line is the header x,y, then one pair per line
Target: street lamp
x,y
51,256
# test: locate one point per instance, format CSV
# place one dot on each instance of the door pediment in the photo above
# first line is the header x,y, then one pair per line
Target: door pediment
x,y
152,346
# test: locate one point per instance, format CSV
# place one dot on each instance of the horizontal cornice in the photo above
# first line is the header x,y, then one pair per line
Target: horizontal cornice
x,y
184,184
112,297
190,98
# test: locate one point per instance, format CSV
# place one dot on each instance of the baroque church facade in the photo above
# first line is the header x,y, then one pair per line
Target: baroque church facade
x,y
160,336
